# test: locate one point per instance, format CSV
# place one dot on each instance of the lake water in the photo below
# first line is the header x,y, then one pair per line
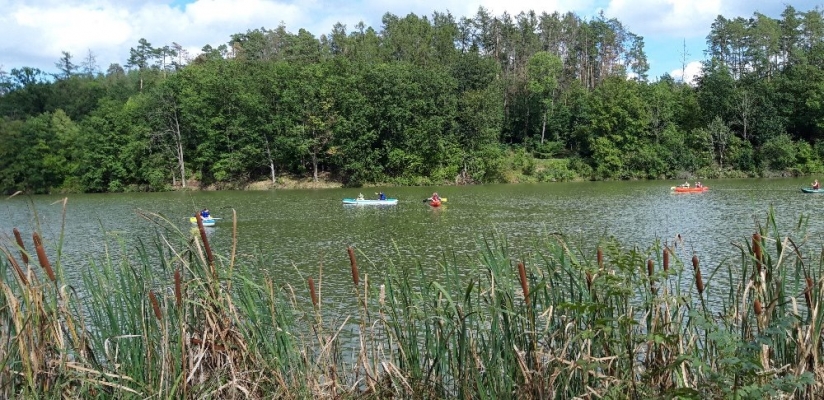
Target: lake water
x,y
294,232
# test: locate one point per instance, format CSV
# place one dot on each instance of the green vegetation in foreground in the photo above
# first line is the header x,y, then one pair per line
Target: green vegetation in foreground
x,y
560,323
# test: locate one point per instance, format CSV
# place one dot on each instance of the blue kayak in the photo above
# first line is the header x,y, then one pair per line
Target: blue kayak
x,y
368,202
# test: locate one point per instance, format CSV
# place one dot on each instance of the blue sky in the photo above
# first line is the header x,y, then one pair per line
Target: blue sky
x,y
34,32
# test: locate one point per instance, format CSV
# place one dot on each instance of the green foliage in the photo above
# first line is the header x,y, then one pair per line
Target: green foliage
x,y
779,153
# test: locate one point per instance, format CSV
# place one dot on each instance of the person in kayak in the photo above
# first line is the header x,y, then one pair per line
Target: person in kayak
x,y
435,197
360,196
381,196
205,214
816,185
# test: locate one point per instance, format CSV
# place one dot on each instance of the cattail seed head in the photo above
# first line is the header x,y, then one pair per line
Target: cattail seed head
x,y
695,262
41,256
666,258
155,306
757,307
589,281
382,296
756,251
354,264
650,267
178,289
699,283
808,293
600,257
19,239
524,283
206,245
312,292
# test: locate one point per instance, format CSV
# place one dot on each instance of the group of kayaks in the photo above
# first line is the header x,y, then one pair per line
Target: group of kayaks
x,y
436,202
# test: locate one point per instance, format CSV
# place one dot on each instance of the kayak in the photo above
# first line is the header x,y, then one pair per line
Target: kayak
x,y
206,222
370,202
682,189
435,203
811,190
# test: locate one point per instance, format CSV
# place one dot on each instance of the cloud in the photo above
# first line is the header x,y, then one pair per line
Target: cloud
x,y
691,73
675,18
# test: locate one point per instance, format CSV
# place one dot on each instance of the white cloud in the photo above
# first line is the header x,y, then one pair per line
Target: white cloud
x,y
675,18
691,73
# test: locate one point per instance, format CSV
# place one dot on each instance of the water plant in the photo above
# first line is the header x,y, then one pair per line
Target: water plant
x,y
176,318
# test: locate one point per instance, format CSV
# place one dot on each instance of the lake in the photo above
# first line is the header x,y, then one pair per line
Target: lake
x,y
295,232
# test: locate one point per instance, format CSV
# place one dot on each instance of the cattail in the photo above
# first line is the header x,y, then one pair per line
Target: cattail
x,y
699,283
600,257
178,289
382,296
354,264
666,258
650,271
757,307
589,281
206,246
312,292
524,283
41,256
756,250
16,267
808,293
155,306
19,240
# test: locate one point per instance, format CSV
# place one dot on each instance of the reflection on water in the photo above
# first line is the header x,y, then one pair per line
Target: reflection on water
x,y
293,233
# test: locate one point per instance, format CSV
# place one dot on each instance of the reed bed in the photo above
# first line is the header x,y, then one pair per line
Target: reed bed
x,y
178,319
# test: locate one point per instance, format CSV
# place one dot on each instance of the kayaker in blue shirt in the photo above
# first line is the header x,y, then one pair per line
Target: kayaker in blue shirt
x,y
205,214
381,196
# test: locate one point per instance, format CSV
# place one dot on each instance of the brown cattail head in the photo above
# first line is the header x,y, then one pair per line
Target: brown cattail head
x,y
808,293
19,239
666,258
312,292
757,307
206,246
600,257
354,264
650,267
524,283
756,251
589,281
16,267
155,306
699,283
695,262
41,256
178,289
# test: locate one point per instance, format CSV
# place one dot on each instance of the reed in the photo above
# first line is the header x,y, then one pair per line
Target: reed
x,y
553,324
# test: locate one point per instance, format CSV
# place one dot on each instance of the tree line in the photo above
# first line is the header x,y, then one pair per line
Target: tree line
x,y
425,99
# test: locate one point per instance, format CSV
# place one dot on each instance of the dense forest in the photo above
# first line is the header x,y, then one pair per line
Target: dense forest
x,y
423,100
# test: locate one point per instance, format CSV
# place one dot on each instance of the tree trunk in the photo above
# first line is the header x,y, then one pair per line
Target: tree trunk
x,y
543,128
315,166
179,147
270,159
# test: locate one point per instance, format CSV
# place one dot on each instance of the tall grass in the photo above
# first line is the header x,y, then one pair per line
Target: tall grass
x,y
178,319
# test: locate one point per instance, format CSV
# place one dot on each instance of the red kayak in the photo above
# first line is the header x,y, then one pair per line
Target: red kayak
x,y
682,189
435,203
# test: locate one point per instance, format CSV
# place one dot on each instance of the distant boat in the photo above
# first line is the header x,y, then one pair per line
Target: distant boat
x,y
206,221
370,202
811,190
684,189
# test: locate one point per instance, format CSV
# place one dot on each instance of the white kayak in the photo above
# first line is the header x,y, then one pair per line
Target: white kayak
x,y
206,221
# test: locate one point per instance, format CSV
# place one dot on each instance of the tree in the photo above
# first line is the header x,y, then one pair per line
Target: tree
x,y
543,71
65,65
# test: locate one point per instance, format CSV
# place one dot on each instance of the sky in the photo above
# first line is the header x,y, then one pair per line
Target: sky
x,y
34,33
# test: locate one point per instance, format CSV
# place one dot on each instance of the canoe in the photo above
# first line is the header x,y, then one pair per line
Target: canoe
x,y
811,190
206,222
370,202
681,189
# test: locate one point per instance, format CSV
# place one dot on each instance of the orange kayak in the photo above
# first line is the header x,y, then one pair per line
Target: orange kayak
x,y
435,203
681,189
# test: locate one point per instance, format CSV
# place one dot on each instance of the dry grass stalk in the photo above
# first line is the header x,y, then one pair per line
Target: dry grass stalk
x,y
354,264
524,282
41,256
178,289
17,269
19,239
